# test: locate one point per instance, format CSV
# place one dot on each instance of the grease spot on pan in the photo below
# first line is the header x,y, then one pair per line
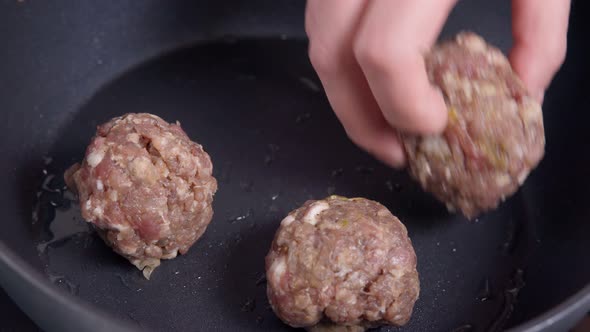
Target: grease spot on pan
x,y
56,214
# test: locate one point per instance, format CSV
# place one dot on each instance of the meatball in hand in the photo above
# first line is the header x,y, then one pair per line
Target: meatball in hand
x,y
369,56
494,135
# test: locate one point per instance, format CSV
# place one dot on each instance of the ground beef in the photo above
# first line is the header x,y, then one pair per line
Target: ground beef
x,y
342,264
494,136
146,187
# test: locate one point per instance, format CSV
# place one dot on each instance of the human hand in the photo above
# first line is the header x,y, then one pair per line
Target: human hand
x,y
539,31
369,57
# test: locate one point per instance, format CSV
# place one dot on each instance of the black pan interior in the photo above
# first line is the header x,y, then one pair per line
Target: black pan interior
x,y
258,109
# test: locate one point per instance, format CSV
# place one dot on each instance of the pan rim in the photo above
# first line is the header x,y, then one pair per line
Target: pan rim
x,y
573,306
89,317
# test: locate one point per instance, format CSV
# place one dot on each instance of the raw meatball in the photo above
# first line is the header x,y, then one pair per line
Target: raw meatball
x,y
146,187
342,264
494,136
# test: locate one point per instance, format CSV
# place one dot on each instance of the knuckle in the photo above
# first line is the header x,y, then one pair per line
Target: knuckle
x,y
372,53
556,53
365,53
322,59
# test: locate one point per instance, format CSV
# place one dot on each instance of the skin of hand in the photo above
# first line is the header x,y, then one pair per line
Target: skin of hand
x,y
368,55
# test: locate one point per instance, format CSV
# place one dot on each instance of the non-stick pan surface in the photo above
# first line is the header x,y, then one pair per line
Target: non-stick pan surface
x,y
257,107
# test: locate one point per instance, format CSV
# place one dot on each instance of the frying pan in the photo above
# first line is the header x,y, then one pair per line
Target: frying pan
x,y
237,77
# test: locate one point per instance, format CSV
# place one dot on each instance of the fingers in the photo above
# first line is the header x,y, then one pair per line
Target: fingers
x,y
330,25
389,46
358,112
540,41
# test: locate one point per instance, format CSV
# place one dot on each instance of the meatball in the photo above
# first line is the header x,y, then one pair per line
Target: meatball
x,y
494,136
146,188
342,264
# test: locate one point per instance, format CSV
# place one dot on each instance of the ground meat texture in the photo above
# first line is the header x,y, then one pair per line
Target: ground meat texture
x,y
342,264
494,136
146,187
